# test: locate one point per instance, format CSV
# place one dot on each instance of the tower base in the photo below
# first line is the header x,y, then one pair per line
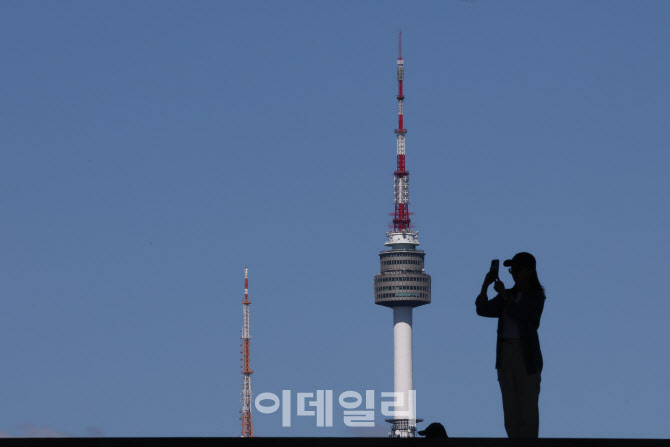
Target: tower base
x,y
401,428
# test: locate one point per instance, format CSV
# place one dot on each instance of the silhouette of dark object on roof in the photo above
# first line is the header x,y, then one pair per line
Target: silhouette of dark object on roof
x,y
434,430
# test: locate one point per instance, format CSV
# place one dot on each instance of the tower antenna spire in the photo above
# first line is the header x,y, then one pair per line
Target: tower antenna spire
x,y
401,219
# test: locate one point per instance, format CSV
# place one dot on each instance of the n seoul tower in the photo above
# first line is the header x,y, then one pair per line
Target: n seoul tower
x,y
402,283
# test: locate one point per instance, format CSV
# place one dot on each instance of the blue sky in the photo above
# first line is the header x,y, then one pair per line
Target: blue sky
x,y
149,151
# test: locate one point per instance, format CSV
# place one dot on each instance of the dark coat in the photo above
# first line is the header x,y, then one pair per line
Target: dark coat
x,y
527,313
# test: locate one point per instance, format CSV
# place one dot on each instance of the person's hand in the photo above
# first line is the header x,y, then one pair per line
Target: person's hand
x,y
499,286
488,279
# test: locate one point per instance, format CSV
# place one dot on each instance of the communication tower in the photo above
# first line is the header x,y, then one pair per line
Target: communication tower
x,y
402,283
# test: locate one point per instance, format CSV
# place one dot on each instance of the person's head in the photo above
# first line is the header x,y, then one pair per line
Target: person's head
x,y
434,430
524,271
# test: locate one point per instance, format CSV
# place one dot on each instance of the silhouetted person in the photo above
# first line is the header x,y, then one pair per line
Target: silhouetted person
x,y
434,430
518,355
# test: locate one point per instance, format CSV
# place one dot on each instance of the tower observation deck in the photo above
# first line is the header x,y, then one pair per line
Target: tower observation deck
x,y
403,280
402,283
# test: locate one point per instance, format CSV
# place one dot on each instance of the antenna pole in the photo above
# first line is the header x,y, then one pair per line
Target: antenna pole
x,y
401,220
247,424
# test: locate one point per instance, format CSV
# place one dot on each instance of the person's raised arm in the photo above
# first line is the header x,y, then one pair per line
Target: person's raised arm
x,y
485,307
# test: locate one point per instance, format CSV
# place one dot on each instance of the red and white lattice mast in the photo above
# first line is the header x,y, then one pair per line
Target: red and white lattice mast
x,y
247,425
401,221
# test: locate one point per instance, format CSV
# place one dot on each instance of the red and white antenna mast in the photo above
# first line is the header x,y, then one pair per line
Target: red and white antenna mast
x,y
247,425
401,221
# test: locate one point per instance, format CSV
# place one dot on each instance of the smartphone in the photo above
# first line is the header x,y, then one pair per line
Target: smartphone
x,y
495,264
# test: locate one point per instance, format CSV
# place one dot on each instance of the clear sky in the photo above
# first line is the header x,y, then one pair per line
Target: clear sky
x,y
151,150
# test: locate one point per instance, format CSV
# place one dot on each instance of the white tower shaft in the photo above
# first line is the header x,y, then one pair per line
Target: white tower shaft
x,y
402,349
403,380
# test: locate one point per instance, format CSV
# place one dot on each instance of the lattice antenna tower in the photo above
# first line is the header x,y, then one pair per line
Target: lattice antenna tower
x,y
247,424
401,219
